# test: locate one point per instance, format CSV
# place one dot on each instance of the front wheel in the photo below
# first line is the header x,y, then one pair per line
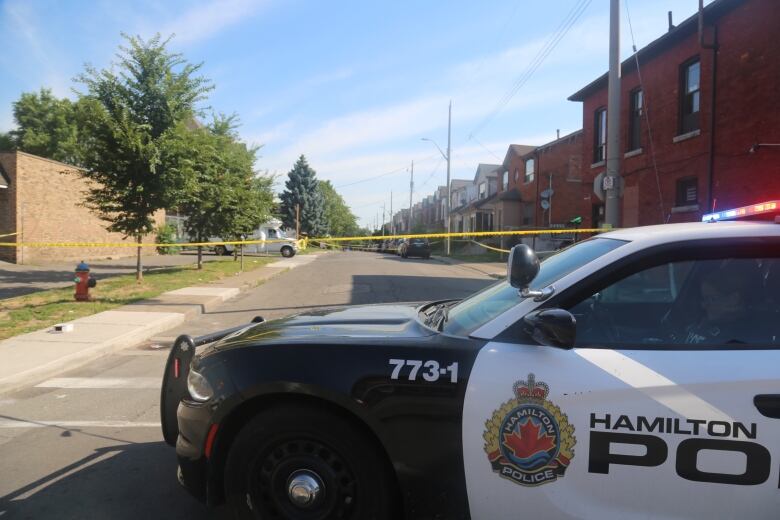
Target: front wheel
x,y
220,250
300,462
288,252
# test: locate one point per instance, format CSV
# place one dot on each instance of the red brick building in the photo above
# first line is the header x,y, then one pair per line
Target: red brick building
x,y
709,99
551,172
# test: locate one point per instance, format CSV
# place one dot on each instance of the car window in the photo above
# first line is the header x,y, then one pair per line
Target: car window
x,y
272,233
480,308
723,302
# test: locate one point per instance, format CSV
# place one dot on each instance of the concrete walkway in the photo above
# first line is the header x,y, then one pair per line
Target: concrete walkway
x,y
39,355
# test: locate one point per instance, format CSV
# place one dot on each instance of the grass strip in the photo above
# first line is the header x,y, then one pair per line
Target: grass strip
x,y
43,309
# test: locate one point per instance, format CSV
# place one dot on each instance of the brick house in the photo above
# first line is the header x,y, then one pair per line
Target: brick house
x,y
707,111
510,204
42,204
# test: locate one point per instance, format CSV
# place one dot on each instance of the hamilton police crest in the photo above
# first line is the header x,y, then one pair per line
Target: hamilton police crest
x,y
528,440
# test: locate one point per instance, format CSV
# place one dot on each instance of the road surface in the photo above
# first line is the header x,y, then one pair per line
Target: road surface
x,y
88,444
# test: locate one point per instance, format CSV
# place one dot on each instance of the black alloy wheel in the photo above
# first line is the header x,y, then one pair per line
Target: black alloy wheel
x,y
304,463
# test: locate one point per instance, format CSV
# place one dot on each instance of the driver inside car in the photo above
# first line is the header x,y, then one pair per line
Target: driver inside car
x,y
725,296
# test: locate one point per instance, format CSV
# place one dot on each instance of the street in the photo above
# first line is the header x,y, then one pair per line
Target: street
x,y
88,444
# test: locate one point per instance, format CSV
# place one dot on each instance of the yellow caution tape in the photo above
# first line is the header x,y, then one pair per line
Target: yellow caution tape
x,y
304,241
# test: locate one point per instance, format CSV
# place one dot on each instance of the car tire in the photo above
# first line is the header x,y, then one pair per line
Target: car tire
x,y
282,442
288,252
220,250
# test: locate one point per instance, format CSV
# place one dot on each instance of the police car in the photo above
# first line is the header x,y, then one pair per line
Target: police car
x,y
632,375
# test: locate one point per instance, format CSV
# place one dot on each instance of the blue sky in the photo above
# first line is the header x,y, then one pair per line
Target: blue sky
x,y
352,85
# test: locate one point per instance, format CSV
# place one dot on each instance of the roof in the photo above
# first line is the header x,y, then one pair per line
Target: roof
x,y
486,169
684,29
560,140
513,194
459,183
5,181
664,233
518,150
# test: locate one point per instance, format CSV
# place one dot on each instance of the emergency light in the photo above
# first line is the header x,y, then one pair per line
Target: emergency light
x,y
745,212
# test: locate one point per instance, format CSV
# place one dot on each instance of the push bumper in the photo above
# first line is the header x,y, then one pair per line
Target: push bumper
x,y
194,422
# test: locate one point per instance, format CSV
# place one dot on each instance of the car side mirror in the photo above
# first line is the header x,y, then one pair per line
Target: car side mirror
x,y
522,266
551,327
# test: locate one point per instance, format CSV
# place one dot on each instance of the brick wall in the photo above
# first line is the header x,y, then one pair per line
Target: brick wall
x,y
747,112
8,207
562,160
49,195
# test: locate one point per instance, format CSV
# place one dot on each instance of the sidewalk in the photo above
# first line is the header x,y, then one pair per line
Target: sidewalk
x,y
495,270
43,354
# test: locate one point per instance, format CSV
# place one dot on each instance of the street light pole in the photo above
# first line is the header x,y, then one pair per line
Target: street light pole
x,y
449,153
446,158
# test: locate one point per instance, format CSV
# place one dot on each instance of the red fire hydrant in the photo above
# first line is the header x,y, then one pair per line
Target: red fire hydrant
x,y
84,282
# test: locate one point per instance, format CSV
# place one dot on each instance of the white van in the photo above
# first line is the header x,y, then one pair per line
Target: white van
x,y
280,243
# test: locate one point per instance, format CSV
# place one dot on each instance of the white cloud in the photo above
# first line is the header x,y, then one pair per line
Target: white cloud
x,y
207,19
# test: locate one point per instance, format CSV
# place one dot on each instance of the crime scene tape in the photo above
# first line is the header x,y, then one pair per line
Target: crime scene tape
x,y
468,235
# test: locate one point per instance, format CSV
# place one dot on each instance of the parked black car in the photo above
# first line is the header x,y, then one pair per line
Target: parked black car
x,y
416,247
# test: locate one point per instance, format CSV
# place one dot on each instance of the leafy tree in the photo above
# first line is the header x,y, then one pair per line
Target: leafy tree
x,y
6,142
46,126
225,198
340,220
302,188
133,125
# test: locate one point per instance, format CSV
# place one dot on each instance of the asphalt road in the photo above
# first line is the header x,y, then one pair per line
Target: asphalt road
x,y
88,444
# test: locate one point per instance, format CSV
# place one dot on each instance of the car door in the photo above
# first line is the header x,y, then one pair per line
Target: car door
x,y
275,245
667,406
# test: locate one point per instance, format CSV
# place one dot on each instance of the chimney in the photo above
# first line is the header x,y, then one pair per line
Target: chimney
x,y
671,25
557,133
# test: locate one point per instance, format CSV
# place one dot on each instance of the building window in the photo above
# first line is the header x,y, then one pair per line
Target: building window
x,y
690,96
529,171
482,190
636,112
504,181
600,135
687,192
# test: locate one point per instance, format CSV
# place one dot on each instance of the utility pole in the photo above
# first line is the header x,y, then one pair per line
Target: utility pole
x,y
612,180
449,154
383,219
411,191
392,217
297,221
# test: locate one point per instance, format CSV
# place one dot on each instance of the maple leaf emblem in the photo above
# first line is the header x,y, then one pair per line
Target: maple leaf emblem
x,y
529,441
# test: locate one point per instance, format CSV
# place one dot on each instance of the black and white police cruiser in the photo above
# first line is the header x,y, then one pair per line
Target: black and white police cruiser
x,y
633,375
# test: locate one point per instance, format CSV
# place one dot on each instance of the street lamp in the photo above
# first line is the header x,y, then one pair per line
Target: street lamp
x,y
446,158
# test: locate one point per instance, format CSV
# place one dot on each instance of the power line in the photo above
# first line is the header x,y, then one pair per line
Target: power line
x,y
402,168
568,22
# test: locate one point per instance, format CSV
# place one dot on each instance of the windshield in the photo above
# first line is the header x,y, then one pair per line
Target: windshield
x,y
480,308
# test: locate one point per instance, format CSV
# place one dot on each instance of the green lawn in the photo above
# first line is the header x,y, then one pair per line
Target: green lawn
x,y
43,309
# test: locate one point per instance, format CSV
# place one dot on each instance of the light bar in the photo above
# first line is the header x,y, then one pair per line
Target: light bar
x,y
744,212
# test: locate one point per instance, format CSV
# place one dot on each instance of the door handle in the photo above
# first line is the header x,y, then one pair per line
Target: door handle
x,y
768,405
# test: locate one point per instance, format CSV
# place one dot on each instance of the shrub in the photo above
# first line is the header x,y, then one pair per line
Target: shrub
x,y
166,234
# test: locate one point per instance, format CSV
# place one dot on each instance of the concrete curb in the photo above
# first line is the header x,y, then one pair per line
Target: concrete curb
x,y
40,355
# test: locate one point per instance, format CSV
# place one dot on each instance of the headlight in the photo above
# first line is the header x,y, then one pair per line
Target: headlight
x,y
199,387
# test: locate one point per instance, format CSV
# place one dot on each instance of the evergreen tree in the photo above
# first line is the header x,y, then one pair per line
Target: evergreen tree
x,y
302,188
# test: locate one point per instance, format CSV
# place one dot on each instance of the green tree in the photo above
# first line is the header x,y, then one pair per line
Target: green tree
x,y
6,142
134,119
47,126
340,221
302,190
225,197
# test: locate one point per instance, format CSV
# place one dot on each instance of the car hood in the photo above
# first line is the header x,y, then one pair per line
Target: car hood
x,y
365,321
